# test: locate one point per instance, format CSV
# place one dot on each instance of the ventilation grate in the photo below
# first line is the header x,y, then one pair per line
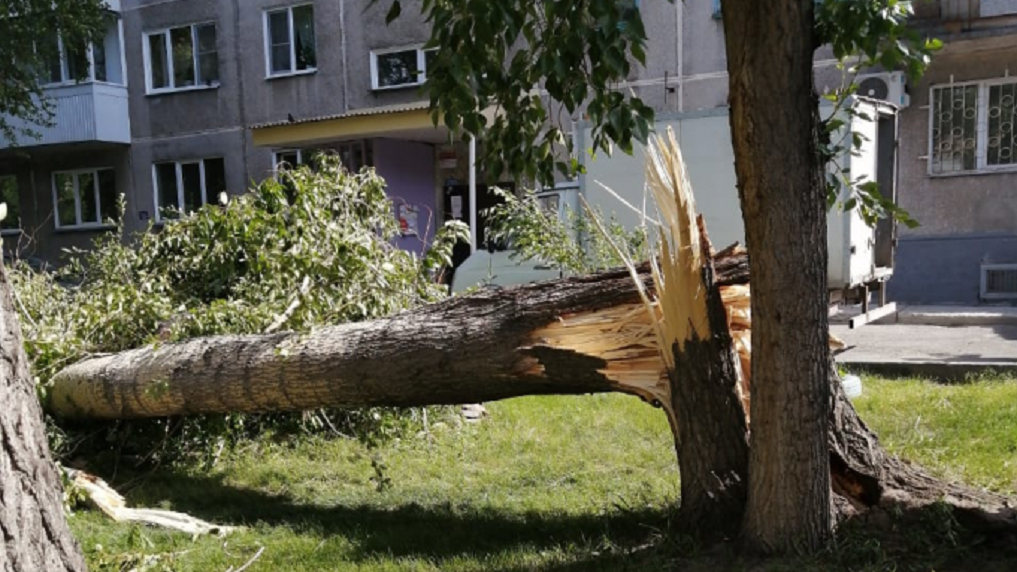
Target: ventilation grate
x,y
999,281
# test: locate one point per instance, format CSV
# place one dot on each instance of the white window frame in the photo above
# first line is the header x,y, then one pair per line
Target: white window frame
x,y
179,169
276,160
293,43
79,225
981,128
421,65
146,50
65,74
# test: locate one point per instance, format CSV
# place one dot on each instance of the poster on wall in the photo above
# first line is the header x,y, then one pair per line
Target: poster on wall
x,y
447,158
408,219
457,207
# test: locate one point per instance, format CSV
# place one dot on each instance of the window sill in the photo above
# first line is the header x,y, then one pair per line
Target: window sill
x,y
85,228
1009,170
11,232
159,92
283,75
397,87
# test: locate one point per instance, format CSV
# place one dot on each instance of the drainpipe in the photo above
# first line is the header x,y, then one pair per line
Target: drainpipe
x,y
680,49
474,223
342,49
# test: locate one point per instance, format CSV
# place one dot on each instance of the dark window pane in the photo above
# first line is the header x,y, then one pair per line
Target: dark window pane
x,y
287,159
86,195
108,195
397,68
49,48
303,29
77,63
166,189
429,57
66,211
183,57
208,56
190,174
279,40
215,179
9,195
157,54
99,61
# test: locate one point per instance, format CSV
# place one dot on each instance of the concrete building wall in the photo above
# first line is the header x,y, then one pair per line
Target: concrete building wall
x,y
966,219
226,144
40,238
275,98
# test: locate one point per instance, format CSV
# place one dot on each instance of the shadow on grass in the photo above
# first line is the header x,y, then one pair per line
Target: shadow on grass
x,y
410,530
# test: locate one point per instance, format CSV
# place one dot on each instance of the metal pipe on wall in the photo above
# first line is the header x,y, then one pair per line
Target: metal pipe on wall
x,y
473,194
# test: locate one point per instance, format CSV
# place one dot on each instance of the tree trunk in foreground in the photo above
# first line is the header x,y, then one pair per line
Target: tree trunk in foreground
x,y
35,532
774,128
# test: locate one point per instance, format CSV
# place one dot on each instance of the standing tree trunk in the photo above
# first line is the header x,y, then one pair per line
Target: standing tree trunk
x,y
774,127
35,533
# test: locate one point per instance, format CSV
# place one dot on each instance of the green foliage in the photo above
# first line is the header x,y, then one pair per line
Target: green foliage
x,y
28,45
574,244
575,52
315,248
866,34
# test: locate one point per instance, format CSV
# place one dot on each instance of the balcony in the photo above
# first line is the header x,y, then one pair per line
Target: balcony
x,y
93,111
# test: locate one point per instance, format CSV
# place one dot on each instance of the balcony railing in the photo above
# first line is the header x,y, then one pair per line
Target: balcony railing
x,y
93,111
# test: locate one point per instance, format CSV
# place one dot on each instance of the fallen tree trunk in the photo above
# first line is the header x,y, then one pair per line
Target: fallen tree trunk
x,y
494,344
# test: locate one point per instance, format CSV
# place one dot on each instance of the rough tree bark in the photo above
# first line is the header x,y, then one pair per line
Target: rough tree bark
x,y
35,532
491,345
774,122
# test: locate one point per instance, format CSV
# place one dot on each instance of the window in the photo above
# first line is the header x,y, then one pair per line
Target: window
x,y
86,198
181,58
184,186
289,41
403,67
66,64
9,195
971,127
287,159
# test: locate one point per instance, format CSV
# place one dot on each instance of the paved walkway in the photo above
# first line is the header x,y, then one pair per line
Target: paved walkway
x,y
948,353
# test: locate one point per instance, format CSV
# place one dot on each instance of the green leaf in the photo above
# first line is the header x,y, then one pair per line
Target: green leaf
x,y
393,12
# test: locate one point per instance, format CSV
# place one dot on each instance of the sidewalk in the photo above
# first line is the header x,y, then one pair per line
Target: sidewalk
x,y
936,351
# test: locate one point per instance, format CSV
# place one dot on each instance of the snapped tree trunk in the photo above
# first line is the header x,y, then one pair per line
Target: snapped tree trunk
x,y
35,532
542,338
774,123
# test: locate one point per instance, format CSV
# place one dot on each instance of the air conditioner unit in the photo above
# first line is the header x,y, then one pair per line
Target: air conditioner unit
x,y
887,86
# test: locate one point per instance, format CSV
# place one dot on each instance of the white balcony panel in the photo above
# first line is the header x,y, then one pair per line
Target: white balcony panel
x,y
83,112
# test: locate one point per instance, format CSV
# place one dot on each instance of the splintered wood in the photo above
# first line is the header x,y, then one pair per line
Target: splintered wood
x,y
624,338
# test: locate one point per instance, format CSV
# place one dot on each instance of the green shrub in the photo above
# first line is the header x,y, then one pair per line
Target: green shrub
x,y
322,238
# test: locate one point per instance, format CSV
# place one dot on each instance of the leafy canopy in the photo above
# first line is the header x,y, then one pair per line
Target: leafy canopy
x,y
28,46
542,64
313,249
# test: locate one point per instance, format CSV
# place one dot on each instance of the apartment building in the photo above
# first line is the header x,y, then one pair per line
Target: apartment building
x,y
180,90
958,159
190,98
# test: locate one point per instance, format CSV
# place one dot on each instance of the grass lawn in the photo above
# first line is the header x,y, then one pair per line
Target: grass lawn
x,y
545,483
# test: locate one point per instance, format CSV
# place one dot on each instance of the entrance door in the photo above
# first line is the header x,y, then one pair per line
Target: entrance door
x,y
457,207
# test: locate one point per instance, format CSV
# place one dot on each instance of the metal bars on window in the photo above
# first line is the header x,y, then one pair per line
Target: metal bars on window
x,y
971,127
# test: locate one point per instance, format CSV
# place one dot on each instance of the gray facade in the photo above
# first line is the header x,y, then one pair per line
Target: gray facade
x,y
138,118
967,207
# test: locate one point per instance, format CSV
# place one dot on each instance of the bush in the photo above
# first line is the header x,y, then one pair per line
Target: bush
x,y
319,243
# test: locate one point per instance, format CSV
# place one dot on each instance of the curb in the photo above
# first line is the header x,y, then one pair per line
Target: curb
x,y
954,371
